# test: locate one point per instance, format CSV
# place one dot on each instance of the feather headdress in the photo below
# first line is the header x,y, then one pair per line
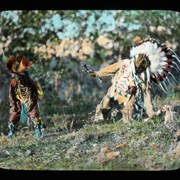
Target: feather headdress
x,y
18,65
162,60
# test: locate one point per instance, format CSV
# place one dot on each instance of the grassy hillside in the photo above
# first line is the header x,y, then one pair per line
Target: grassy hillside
x,y
107,146
72,141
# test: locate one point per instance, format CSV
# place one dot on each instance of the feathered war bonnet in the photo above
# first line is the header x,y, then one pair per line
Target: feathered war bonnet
x,y
161,60
18,65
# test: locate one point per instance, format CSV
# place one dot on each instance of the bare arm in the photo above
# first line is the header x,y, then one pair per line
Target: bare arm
x,y
109,70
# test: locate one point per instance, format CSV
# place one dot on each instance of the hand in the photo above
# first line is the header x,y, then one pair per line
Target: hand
x,y
92,74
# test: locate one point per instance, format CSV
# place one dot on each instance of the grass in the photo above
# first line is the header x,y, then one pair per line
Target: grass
x,y
81,150
140,146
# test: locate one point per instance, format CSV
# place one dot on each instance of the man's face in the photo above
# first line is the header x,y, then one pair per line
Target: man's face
x,y
141,63
22,78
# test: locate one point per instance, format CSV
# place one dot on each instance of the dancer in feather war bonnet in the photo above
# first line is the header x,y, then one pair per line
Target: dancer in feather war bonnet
x,y
24,94
150,64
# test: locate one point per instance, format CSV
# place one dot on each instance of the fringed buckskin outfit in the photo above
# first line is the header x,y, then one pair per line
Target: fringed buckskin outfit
x,y
150,64
126,84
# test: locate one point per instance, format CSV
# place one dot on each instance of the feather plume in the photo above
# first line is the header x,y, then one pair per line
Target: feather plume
x,y
18,65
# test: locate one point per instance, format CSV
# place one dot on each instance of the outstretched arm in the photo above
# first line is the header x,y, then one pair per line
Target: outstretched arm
x,y
109,70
